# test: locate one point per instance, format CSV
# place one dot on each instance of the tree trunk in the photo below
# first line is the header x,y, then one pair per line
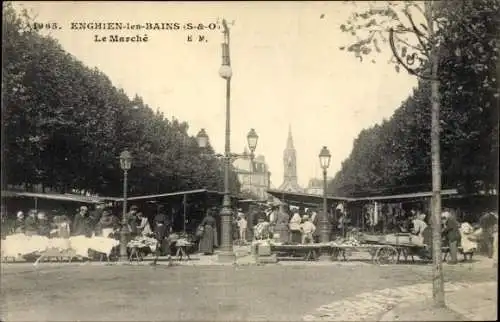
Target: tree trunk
x,y
437,269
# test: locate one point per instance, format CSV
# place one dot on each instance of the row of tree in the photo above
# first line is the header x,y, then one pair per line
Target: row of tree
x,y
64,126
395,156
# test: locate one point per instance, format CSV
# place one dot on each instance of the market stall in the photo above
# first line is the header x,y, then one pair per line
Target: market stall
x,y
39,247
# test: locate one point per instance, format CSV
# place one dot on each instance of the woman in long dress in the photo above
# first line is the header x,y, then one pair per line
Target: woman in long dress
x,y
206,245
281,227
295,228
144,229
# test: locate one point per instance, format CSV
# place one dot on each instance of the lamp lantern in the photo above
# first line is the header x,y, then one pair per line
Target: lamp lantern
x,y
202,138
252,139
324,158
125,160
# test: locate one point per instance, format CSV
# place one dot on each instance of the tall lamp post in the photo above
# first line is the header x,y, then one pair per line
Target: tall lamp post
x,y
226,246
125,165
324,160
225,71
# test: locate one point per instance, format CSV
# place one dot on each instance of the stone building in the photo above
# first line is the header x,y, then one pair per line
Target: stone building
x,y
256,182
315,186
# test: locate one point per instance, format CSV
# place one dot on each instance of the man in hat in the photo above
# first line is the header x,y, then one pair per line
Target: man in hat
x,y
131,219
307,228
107,224
43,225
487,223
161,231
19,223
30,224
97,212
451,234
83,224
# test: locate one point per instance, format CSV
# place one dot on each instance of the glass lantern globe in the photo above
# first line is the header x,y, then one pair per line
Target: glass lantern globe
x,y
225,72
324,158
202,138
252,139
125,160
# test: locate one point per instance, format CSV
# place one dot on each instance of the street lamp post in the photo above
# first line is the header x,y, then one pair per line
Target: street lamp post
x,y
225,71
125,165
226,246
324,160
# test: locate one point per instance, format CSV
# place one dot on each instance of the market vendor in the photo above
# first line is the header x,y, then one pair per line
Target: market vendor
x,y
343,223
419,226
96,214
281,227
131,219
487,223
19,223
61,227
107,224
307,229
30,224
315,220
451,234
44,226
273,216
143,228
295,227
83,224
208,238
261,230
161,232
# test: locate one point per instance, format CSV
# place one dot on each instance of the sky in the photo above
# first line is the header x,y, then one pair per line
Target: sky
x,y
287,70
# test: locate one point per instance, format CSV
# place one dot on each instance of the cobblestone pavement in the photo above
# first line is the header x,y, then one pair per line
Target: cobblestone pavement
x,y
369,306
475,303
98,292
403,303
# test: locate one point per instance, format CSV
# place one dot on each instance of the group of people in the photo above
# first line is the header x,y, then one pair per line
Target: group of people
x,y
273,220
286,224
99,222
34,223
455,234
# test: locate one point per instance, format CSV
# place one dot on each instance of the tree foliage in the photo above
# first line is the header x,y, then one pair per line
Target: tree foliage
x,y
65,125
396,153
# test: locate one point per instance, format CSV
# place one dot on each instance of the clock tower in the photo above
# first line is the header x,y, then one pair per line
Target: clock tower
x,y
290,166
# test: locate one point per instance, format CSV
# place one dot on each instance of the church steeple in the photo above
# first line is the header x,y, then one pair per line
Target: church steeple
x,y
289,142
290,165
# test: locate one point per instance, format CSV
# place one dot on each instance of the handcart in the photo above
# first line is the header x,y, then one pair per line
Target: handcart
x,y
388,249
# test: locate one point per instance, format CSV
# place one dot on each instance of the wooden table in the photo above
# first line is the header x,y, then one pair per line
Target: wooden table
x,y
311,250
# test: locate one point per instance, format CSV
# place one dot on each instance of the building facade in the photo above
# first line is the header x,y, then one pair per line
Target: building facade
x,y
255,181
290,182
315,186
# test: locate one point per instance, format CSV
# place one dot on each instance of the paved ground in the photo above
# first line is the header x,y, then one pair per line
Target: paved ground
x,y
466,301
475,303
65,292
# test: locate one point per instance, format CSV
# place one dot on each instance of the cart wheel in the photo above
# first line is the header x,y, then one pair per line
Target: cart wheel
x,y
386,255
